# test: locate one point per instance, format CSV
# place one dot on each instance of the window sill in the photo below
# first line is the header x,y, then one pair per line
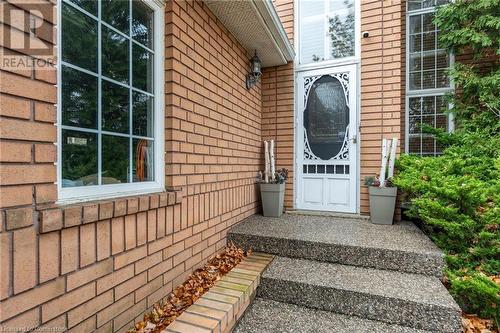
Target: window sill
x,y
56,217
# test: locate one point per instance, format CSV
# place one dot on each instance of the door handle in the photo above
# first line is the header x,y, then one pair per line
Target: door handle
x,y
354,139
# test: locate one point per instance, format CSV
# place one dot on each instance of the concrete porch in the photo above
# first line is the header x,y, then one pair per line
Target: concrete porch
x,y
345,273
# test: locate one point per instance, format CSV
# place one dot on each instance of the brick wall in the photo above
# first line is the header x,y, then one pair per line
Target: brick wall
x,y
278,104
100,265
382,83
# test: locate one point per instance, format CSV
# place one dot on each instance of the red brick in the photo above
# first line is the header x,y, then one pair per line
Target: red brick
x,y
142,228
151,225
17,174
90,308
130,285
24,259
103,239
87,244
45,112
5,263
18,218
111,280
45,193
15,152
117,235
32,298
90,213
143,203
105,210
132,205
91,273
72,216
120,207
25,87
15,107
130,232
69,300
69,250
131,256
45,153
111,311
30,318
15,195
48,259
50,220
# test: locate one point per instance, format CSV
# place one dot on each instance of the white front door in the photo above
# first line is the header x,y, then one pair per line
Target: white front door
x,y
326,139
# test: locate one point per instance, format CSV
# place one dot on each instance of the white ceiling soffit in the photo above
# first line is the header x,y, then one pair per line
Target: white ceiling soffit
x,y
256,25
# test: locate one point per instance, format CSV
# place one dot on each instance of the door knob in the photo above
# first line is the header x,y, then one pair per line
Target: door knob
x,y
354,139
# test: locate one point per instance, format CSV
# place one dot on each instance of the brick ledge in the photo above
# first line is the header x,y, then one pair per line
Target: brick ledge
x,y
56,217
219,309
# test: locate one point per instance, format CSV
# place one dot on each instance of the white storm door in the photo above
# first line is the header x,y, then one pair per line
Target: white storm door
x,y
326,139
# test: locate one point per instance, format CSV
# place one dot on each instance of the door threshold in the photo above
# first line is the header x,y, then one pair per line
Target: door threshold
x,y
331,214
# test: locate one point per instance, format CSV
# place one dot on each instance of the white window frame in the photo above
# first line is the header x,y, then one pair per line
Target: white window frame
x,y
356,58
98,192
422,92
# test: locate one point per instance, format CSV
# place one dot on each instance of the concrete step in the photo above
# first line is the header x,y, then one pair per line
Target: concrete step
x,y
412,300
401,247
266,316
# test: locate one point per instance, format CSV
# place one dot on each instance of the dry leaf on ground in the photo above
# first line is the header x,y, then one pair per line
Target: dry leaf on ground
x,y
187,293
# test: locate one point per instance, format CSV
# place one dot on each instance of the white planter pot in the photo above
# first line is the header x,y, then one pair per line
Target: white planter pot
x,y
273,198
382,204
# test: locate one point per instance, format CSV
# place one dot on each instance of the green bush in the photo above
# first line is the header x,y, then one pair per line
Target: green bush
x,y
456,196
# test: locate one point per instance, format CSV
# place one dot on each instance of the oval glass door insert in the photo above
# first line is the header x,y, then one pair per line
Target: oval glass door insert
x,y
326,118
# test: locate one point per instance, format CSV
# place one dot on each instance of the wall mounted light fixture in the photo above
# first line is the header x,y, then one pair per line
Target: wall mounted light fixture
x,y
256,71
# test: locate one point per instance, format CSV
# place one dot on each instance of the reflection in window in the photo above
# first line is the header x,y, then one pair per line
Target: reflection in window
x,y
428,81
327,30
107,98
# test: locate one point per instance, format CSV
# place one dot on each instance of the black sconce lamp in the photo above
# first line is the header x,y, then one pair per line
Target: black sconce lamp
x,y
256,71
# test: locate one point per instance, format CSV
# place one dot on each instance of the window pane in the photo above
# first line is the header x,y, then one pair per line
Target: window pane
x,y
116,13
143,160
88,5
312,46
415,24
142,114
142,23
429,41
115,159
428,145
115,107
79,38
414,145
79,158
415,106
414,124
428,105
341,29
428,79
415,81
115,55
142,68
79,98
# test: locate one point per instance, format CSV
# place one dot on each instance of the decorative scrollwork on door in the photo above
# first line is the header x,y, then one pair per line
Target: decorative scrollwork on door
x,y
326,117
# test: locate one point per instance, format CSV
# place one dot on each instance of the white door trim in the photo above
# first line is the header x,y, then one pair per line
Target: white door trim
x,y
352,205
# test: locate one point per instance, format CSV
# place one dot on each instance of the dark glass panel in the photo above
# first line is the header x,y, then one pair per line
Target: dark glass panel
x,y
88,5
117,14
326,117
79,38
142,114
142,23
79,158
115,55
115,107
115,159
79,98
142,68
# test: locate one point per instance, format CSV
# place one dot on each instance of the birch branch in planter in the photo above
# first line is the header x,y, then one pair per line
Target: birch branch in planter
x,y
392,158
271,157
